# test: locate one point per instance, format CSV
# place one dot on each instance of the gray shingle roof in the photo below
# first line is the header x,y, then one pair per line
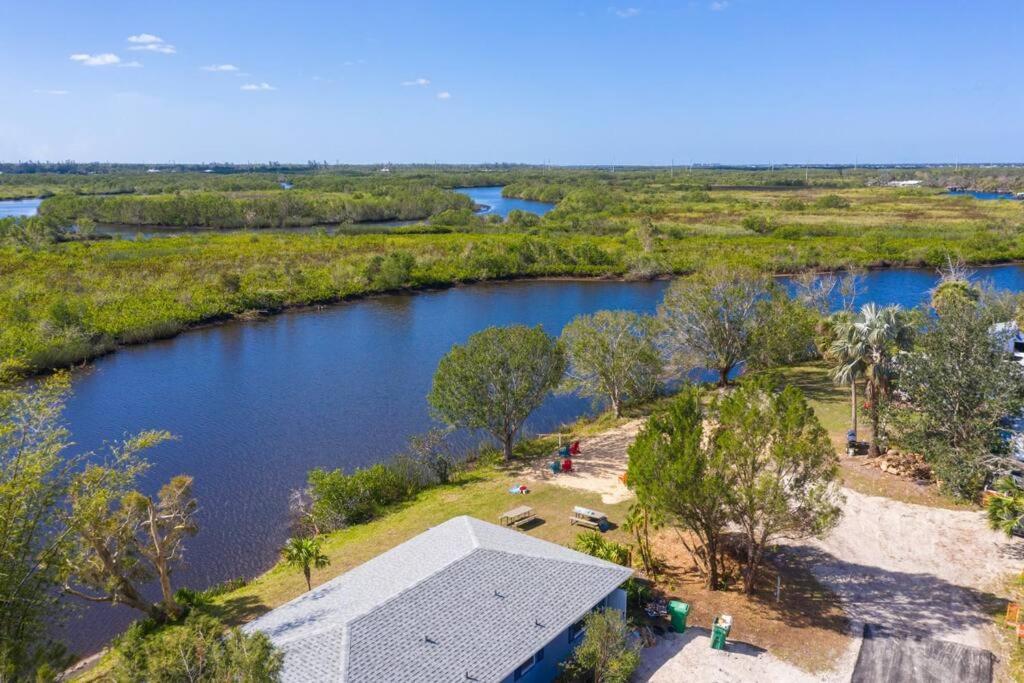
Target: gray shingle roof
x,y
486,597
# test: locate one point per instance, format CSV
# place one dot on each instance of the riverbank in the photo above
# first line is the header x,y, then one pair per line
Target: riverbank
x,y
806,633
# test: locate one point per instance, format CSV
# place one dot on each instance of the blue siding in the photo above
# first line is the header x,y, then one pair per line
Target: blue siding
x,y
560,648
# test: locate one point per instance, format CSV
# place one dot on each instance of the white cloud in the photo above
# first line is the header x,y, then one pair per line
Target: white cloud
x,y
104,59
719,5
220,67
50,92
145,39
258,87
627,13
444,95
422,82
151,43
131,65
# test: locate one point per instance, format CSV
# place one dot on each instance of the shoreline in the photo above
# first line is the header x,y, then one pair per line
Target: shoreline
x,y
257,315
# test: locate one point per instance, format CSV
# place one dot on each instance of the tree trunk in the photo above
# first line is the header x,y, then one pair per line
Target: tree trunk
x,y
507,446
723,376
616,406
853,405
712,560
171,606
874,451
309,578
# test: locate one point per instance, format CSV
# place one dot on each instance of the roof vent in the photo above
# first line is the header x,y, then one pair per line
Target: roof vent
x,y
470,678
537,623
498,595
428,639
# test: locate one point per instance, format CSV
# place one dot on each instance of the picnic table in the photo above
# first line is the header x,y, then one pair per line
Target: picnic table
x,y
593,519
517,516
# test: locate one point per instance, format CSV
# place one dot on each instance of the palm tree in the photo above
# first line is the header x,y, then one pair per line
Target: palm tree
x,y
304,553
864,346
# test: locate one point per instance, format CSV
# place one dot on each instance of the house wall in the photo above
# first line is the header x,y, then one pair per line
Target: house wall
x,y
560,648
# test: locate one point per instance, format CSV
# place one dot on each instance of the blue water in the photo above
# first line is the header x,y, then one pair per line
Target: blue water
x,y
491,198
256,405
19,207
983,195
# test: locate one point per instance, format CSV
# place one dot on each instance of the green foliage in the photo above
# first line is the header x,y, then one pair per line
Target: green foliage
x,y
305,554
676,470
612,355
832,201
120,538
200,649
34,476
495,380
787,332
1005,510
957,386
757,223
594,543
954,293
272,209
783,470
517,218
342,499
792,204
391,271
606,654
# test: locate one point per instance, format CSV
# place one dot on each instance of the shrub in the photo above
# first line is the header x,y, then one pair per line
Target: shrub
x,y
391,271
593,543
757,223
792,204
831,201
341,499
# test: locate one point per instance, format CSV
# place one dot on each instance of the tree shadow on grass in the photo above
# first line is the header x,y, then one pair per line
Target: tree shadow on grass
x,y
238,610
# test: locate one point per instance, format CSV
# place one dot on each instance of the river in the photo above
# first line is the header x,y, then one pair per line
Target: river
x,y
255,405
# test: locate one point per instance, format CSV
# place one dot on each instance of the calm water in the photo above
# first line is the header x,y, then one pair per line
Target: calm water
x,y
19,207
257,404
491,198
983,195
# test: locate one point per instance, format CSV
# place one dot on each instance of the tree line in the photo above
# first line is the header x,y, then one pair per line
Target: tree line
x,y
274,209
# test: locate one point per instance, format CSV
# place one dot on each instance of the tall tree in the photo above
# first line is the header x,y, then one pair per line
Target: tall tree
x,y
121,538
612,355
865,345
783,468
678,470
495,380
34,476
710,318
958,385
305,554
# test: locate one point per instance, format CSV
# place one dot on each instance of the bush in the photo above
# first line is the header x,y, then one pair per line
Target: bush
x,y
200,649
792,204
341,499
831,201
593,543
756,223
391,271
606,654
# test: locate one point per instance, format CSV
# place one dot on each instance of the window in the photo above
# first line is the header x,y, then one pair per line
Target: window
x,y
576,630
526,666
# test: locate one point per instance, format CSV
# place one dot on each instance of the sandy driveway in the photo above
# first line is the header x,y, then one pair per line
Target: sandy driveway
x,y
909,568
914,569
689,657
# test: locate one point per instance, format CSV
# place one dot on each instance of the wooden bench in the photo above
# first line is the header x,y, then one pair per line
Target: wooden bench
x,y
592,519
517,516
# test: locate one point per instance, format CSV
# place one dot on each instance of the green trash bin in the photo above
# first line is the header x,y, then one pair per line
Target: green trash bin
x,y
720,631
678,611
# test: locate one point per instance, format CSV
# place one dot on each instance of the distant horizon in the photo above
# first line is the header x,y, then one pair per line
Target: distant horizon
x,y
525,164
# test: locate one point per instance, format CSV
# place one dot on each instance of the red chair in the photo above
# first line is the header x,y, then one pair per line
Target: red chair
x,y
567,465
574,448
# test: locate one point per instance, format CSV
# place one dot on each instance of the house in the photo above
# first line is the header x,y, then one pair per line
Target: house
x,y
463,601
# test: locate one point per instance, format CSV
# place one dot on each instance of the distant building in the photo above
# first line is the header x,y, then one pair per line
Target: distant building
x,y
903,183
463,601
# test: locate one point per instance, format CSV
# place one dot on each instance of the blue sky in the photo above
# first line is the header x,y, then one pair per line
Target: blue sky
x,y
726,81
